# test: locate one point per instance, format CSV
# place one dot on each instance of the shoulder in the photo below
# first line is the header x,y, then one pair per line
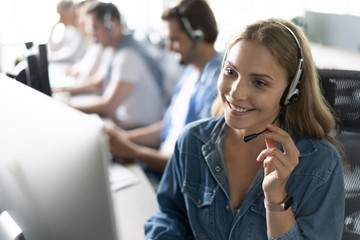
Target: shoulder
x,y
310,147
202,129
128,58
216,60
317,157
214,64
126,52
210,72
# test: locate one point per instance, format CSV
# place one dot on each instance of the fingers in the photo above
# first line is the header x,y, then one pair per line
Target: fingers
x,y
273,158
113,132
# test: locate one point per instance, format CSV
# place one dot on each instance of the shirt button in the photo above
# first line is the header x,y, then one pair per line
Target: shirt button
x,y
227,207
199,201
217,168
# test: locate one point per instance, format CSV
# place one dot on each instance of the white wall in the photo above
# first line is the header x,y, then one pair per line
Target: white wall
x,y
22,21
233,15
31,20
334,29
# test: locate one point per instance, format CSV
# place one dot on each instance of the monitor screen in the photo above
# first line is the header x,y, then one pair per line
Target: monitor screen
x,y
53,168
33,70
44,83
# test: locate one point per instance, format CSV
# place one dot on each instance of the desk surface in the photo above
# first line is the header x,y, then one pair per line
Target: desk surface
x,y
134,205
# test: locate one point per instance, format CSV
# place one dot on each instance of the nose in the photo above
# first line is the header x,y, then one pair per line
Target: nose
x,y
173,45
169,45
239,89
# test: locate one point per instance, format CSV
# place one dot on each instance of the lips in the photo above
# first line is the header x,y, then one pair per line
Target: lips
x,y
239,109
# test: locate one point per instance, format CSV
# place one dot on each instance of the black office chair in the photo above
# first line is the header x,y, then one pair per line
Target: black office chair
x,y
342,90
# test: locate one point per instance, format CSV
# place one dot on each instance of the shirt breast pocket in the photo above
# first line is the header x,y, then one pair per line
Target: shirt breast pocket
x,y
198,194
200,202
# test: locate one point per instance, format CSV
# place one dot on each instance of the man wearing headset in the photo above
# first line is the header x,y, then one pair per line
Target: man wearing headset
x,y
191,33
131,93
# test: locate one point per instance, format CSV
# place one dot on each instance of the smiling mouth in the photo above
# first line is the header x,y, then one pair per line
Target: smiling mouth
x,y
239,109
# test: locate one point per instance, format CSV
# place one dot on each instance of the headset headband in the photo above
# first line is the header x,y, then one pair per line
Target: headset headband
x,y
292,92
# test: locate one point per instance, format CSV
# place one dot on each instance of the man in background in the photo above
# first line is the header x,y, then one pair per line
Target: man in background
x,y
131,91
191,33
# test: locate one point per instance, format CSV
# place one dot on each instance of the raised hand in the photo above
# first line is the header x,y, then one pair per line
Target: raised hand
x,y
278,165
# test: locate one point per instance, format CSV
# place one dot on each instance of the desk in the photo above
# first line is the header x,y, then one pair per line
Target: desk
x,y
134,205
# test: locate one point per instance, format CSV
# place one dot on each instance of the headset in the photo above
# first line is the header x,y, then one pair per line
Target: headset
x,y
108,24
196,35
291,93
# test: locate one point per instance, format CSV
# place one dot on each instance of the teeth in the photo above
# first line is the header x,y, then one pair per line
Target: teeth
x,y
238,109
241,110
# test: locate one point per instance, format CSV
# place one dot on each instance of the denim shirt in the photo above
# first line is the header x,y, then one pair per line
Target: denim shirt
x,y
194,196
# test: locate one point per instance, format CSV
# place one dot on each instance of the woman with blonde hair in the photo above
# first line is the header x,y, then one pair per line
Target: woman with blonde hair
x,y
266,166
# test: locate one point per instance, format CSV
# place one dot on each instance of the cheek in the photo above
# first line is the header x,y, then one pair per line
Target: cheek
x,y
222,86
269,103
276,98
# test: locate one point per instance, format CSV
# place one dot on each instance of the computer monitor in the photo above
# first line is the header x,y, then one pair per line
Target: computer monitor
x,y
44,84
33,70
53,168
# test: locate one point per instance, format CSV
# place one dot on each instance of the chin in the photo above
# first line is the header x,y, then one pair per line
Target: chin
x,y
231,121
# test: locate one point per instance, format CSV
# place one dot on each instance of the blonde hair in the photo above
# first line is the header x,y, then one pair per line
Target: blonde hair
x,y
310,115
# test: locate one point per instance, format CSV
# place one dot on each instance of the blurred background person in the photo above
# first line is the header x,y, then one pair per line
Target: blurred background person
x,y
131,91
90,61
80,76
191,33
66,42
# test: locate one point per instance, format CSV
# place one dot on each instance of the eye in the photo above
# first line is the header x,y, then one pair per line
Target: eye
x,y
229,72
260,83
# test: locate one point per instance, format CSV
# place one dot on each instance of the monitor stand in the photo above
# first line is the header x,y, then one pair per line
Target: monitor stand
x,y
9,230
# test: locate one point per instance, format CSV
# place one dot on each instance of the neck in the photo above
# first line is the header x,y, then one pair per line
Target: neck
x,y
205,53
115,36
236,136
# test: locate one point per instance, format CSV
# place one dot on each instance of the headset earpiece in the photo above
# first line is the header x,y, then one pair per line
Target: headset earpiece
x,y
291,94
196,34
108,22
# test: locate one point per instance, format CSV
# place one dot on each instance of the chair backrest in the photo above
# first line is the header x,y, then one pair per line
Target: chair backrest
x,y
341,88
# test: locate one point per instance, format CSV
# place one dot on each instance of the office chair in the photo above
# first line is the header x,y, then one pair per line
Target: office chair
x,y
341,88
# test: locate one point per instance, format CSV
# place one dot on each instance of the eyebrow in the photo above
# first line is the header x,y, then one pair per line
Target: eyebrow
x,y
252,74
262,76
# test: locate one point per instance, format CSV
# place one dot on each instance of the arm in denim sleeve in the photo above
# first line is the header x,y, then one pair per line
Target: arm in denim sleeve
x,y
323,206
171,222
